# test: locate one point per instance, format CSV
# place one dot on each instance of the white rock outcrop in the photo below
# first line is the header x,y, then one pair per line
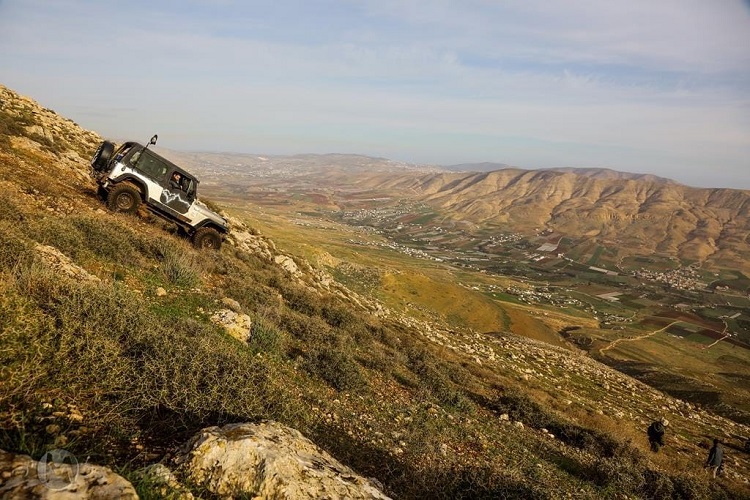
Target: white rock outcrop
x,y
58,476
236,324
61,263
268,460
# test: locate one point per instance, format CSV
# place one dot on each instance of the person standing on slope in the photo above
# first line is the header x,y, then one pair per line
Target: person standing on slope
x,y
656,434
715,457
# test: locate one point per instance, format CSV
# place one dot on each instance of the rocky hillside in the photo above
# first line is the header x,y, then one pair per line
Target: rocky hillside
x,y
640,215
121,343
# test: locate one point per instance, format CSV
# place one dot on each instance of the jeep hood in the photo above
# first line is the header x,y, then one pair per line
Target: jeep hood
x,y
210,214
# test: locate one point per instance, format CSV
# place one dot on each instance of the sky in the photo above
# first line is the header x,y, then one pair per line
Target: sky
x,y
644,86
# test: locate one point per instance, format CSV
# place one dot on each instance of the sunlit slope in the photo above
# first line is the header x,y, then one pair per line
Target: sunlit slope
x,y
422,289
641,215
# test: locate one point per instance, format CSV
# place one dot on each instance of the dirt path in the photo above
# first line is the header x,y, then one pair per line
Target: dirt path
x,y
641,337
724,332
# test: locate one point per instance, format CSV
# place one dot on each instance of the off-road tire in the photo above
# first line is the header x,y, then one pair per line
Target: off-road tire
x,y
207,238
102,156
124,198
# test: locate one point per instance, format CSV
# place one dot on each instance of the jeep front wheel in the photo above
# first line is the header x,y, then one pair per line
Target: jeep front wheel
x,y
207,237
124,198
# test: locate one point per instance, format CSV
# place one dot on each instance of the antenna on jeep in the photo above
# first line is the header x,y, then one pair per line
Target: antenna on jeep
x,y
152,141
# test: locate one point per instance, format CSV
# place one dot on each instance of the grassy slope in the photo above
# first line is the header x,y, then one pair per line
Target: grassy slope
x,y
109,370
423,288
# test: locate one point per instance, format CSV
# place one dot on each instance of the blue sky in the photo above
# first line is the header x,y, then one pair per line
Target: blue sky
x,y
648,86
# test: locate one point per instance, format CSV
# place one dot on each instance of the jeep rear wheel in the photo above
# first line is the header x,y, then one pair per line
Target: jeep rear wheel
x,y
208,238
102,156
124,198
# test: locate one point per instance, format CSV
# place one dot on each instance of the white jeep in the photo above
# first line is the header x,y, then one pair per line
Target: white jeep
x,y
134,174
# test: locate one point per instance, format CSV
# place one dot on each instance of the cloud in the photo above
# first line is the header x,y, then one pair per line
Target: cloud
x,y
654,84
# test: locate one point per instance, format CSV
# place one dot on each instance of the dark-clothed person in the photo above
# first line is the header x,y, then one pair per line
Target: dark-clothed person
x,y
656,434
715,457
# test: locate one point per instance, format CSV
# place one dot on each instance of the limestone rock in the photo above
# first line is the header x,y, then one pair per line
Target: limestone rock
x,y
59,262
243,238
59,476
232,304
236,324
287,264
270,461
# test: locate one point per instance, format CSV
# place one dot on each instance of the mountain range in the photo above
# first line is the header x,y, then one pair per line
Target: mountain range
x,y
632,214
640,215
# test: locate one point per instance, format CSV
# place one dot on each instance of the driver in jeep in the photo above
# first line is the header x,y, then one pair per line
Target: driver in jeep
x,y
176,181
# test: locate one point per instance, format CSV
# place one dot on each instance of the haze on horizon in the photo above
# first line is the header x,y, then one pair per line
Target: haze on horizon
x,y
646,87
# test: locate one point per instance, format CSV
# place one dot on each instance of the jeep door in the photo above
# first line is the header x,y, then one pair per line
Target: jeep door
x,y
152,172
175,193
162,195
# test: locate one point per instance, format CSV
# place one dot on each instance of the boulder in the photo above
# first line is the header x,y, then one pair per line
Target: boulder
x,y
61,263
232,304
288,265
267,460
59,476
237,325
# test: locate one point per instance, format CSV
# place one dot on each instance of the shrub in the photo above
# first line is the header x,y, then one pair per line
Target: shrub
x,y
181,265
250,293
106,238
14,250
521,407
336,368
265,337
691,488
9,211
60,234
312,331
212,205
10,126
658,485
23,344
100,345
298,298
337,315
619,474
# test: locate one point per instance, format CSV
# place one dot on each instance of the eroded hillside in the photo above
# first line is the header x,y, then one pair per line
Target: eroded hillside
x,y
641,216
114,346
632,214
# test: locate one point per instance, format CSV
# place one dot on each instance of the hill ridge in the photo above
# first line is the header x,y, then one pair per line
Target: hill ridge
x,y
707,225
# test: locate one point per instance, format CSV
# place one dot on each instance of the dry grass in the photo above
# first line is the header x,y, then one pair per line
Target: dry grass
x,y
140,376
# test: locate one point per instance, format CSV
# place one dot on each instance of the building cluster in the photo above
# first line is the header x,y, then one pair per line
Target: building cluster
x,y
413,252
684,278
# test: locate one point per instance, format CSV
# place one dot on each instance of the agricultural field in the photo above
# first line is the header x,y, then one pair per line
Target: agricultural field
x,y
563,291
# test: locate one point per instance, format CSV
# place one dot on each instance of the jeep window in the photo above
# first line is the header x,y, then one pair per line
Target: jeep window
x,y
149,165
123,151
190,188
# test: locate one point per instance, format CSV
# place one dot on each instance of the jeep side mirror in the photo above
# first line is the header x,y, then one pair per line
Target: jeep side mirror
x,y
153,140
